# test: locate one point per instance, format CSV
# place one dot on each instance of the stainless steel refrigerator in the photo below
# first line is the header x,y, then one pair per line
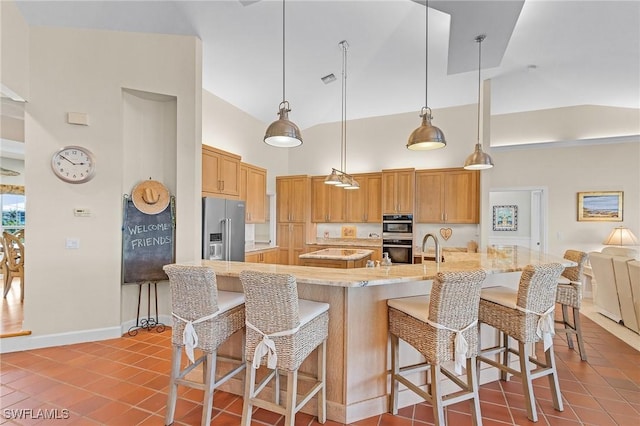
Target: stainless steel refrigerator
x,y
223,229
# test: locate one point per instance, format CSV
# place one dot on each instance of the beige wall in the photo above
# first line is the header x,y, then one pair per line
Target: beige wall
x,y
231,129
14,43
76,294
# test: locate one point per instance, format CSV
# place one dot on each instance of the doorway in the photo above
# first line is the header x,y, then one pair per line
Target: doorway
x,y
530,222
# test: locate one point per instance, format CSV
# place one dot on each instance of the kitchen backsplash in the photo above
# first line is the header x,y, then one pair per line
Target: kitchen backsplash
x,y
363,230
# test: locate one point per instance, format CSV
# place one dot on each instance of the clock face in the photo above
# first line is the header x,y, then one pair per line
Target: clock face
x,y
73,164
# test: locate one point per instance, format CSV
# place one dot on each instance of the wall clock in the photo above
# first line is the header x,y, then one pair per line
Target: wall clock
x,y
73,164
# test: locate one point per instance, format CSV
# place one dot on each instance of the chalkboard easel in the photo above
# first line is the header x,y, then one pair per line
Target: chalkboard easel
x,y
147,245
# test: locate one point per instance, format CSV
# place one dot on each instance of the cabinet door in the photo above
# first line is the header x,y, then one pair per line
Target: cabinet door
x,y
461,195
320,200
251,258
373,191
298,243
256,193
210,170
404,191
270,256
229,176
337,201
356,201
429,197
389,182
283,235
299,199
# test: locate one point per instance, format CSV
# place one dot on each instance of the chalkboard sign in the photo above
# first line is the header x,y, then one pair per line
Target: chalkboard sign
x,y
147,243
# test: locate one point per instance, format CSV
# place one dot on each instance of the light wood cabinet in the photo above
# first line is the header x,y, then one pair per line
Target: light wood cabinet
x,y
293,198
447,196
220,173
291,242
293,227
253,189
269,256
398,191
327,202
364,205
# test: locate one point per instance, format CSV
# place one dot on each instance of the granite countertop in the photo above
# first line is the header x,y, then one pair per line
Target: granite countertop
x,y
339,254
495,260
259,247
347,242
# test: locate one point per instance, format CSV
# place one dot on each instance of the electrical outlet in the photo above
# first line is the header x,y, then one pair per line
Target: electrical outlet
x,y
72,243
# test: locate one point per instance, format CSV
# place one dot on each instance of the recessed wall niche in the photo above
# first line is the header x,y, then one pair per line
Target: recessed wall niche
x,y
149,138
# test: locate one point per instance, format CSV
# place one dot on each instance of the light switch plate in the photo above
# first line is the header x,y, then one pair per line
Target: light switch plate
x,y
72,243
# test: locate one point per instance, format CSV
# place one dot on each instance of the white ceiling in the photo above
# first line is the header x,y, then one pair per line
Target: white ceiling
x,y
584,52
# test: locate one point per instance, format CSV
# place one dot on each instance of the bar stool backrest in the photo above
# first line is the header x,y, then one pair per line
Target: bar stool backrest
x,y
194,295
455,297
538,286
271,301
574,273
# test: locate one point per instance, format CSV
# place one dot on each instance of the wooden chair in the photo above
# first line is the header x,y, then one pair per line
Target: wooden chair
x,y
525,315
285,330
203,318
442,327
3,267
569,294
14,258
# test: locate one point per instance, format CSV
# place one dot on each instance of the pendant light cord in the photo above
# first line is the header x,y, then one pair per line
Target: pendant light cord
x,y
283,52
426,54
343,135
480,38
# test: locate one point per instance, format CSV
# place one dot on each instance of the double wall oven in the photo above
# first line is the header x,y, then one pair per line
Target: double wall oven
x,y
397,237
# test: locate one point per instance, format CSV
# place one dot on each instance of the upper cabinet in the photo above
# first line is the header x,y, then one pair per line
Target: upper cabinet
x,y
220,173
447,196
327,201
253,189
364,205
397,191
293,198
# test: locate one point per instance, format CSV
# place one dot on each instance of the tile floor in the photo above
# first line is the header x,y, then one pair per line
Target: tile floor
x,y
124,381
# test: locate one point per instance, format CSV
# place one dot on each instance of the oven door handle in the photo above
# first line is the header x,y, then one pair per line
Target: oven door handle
x,y
407,246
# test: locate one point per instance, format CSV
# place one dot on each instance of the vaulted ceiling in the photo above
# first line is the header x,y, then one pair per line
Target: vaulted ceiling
x,y
539,54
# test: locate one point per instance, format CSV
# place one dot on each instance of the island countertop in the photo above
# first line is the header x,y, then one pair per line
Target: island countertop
x,y
336,253
495,260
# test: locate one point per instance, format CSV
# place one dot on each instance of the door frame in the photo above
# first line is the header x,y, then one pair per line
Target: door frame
x,y
539,213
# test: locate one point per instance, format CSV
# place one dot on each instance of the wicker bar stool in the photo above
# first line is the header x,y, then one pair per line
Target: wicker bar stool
x,y
526,315
203,318
569,294
442,327
284,330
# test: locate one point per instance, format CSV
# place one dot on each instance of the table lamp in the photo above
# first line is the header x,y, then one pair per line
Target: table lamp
x,y
621,236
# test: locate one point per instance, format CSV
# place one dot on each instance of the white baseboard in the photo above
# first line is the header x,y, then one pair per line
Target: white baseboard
x,y
28,342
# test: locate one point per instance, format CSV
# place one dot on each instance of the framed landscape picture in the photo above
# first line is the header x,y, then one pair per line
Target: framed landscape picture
x,y
505,218
603,206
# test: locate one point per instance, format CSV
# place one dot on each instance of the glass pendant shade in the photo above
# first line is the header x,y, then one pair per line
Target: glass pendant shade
x,y
344,181
333,178
426,136
479,160
283,133
353,184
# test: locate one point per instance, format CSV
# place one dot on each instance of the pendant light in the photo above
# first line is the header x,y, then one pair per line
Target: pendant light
x,y
283,133
426,136
479,160
341,178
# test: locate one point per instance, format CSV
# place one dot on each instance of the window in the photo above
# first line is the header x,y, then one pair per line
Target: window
x,y
13,216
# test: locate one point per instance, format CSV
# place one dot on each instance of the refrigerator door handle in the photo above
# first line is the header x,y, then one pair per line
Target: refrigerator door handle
x,y
228,246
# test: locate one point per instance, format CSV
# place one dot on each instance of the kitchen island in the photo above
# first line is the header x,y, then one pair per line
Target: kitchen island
x,y
336,258
357,347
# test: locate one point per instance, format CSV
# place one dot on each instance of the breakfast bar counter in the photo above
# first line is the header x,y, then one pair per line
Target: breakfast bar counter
x,y
357,347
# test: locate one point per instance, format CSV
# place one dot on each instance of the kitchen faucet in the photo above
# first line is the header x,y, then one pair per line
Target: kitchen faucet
x,y
437,248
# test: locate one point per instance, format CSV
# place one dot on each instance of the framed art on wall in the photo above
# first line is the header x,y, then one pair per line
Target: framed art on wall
x,y
505,218
603,206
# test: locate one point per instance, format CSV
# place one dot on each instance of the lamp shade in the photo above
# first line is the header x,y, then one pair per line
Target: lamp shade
x,y
283,133
621,236
426,136
478,160
333,178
